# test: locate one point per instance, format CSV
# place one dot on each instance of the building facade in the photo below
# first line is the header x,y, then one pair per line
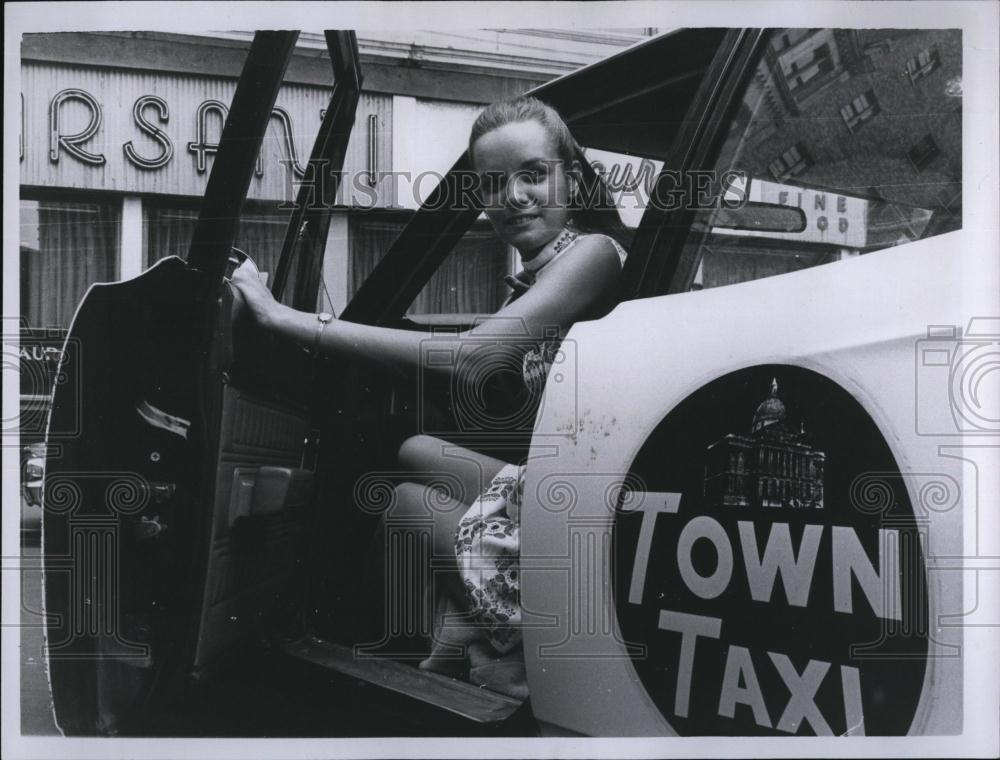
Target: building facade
x,y
119,130
772,466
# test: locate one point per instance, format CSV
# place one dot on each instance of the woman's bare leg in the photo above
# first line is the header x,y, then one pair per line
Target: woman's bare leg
x,y
420,529
460,472
448,478
442,481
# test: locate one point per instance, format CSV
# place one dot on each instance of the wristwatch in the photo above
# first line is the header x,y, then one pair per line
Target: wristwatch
x,y
324,318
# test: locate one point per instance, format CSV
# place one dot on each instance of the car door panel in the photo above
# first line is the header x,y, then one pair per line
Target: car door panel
x,y
256,542
126,538
111,502
177,585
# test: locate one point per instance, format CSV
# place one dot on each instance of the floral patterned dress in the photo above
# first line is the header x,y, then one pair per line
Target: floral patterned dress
x,y
488,540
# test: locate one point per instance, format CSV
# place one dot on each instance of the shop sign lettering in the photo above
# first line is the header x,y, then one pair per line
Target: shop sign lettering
x,y
831,217
151,116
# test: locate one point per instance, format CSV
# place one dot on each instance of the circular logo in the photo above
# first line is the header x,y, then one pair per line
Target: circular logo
x,y
773,570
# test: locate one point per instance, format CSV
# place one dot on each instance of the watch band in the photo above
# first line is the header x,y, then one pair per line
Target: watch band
x,y
324,318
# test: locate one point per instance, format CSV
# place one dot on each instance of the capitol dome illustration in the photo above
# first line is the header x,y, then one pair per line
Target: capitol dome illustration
x,y
772,466
770,411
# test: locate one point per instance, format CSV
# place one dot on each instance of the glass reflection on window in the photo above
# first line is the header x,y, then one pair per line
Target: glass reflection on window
x,y
859,128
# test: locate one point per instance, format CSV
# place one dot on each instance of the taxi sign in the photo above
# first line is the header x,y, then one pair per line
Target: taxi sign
x,y
772,576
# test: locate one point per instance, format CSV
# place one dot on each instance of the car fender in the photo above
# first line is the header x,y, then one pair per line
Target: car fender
x,y
857,322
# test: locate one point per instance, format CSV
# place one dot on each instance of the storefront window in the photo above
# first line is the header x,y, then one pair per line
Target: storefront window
x,y
471,278
370,239
65,247
167,231
469,281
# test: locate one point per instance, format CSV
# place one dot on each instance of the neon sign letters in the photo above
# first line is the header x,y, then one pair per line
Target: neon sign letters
x,y
151,115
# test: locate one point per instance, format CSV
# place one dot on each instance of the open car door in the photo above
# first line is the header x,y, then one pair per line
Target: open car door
x,y
172,520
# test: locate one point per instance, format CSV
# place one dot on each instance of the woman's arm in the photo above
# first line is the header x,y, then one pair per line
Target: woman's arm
x,y
567,290
571,285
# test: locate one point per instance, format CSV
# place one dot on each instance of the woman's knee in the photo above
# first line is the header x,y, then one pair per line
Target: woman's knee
x,y
423,459
459,472
410,501
424,510
418,452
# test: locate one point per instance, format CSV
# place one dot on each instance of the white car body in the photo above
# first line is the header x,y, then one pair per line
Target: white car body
x,y
858,322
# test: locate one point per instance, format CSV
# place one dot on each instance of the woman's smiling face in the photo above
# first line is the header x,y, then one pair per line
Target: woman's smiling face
x,y
524,184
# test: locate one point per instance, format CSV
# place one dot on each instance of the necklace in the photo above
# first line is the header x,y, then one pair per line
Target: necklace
x,y
551,250
520,282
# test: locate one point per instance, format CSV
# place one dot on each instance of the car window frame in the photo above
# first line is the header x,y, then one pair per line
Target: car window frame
x,y
239,146
308,228
662,232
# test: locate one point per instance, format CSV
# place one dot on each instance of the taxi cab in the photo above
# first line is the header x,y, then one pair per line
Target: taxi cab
x,y
767,401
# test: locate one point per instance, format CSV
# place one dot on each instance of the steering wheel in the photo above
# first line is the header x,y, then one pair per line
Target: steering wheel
x,y
236,258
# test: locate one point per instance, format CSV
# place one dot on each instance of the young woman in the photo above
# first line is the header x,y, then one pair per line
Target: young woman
x,y
542,199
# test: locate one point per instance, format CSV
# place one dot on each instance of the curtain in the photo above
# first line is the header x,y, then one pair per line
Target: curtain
x,y
261,234
77,245
469,280
168,232
369,241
